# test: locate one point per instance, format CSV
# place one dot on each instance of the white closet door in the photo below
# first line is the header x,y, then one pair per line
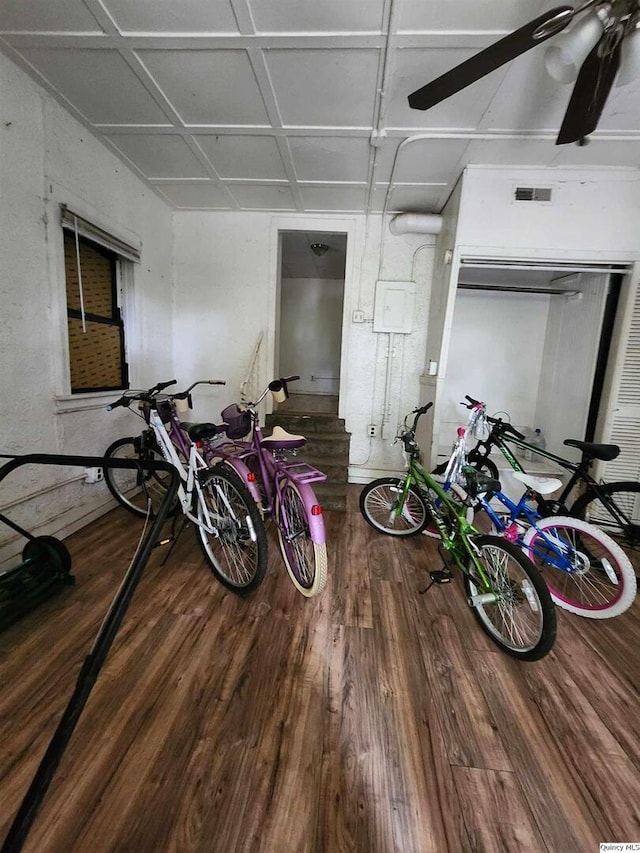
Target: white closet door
x,y
569,359
622,419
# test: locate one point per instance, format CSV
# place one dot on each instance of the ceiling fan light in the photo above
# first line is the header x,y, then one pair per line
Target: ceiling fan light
x,y
563,59
629,58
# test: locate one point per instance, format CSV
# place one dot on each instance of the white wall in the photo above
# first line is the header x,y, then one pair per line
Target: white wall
x,y
311,333
496,354
226,293
592,214
47,158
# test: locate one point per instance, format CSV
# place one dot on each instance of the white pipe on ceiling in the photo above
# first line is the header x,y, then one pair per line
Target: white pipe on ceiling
x,y
416,223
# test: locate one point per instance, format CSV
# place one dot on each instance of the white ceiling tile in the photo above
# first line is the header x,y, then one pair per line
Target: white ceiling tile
x,y
425,160
324,87
412,199
99,83
249,157
621,111
328,16
510,152
186,16
329,158
199,195
253,197
207,86
492,15
599,152
161,156
528,98
70,16
333,198
414,68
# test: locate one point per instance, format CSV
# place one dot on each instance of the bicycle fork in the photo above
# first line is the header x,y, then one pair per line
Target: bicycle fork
x,y
229,519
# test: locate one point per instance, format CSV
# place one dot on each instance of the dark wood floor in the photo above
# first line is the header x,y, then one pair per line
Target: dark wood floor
x,y
370,719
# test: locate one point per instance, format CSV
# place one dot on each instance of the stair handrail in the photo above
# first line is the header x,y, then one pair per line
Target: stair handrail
x,y
251,372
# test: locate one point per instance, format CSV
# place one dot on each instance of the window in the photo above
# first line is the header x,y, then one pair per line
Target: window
x,y
93,263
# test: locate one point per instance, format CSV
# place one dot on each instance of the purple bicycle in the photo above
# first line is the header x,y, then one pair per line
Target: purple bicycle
x,y
280,485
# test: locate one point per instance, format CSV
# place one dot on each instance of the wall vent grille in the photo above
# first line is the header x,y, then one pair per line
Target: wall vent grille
x,y
532,194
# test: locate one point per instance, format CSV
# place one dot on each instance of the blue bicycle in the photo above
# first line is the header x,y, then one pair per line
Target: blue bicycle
x,y
586,572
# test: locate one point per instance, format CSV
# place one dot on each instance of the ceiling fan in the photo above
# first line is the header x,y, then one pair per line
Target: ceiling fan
x,y
597,46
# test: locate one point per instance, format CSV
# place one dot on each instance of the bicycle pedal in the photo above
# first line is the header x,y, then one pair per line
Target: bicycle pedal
x,y
441,576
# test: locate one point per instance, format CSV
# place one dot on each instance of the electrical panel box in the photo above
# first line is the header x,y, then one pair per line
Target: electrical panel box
x,y
394,307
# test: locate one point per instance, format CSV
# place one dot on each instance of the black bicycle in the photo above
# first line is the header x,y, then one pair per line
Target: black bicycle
x,y
614,507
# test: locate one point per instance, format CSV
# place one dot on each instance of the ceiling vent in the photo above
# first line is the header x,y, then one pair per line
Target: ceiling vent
x,y
532,194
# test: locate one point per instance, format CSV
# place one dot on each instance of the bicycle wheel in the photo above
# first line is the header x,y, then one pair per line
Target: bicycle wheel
x,y
306,560
379,502
237,555
600,582
483,464
624,529
136,490
522,618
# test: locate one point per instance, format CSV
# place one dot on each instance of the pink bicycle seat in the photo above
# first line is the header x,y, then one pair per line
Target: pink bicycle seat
x,y
280,439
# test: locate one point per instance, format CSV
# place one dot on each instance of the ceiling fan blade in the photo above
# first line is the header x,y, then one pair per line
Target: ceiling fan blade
x,y
490,58
589,94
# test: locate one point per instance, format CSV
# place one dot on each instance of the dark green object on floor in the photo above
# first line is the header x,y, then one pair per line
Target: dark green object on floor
x,y
44,570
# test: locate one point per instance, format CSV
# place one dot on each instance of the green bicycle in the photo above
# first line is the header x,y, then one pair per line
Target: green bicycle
x,y
508,596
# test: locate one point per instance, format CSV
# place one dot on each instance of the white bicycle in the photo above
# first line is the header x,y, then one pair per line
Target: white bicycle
x,y
213,498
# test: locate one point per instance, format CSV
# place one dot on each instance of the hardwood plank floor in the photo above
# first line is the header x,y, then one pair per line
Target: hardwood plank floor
x,y
370,719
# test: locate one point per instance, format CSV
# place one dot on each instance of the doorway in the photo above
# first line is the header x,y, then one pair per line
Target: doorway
x,y
533,344
312,278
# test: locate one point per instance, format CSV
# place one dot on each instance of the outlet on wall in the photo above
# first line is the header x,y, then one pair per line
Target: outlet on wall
x,y
372,430
93,475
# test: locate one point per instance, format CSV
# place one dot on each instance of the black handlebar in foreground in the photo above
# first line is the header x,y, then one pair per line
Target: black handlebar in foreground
x,y
418,414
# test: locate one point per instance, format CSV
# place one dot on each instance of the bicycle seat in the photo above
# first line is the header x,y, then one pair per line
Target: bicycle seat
x,y
479,483
280,439
541,485
606,452
201,432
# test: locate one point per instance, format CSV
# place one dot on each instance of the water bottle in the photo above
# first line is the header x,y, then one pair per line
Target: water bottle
x,y
537,440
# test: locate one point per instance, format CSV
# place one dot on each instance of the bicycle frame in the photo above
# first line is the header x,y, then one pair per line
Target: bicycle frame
x,y
189,480
511,529
580,474
457,542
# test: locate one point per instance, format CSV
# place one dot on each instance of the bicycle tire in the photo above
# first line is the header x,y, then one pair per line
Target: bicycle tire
x,y
522,621
237,556
135,490
603,583
626,497
377,501
306,560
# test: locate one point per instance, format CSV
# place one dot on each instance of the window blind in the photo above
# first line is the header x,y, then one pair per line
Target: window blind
x,y
72,222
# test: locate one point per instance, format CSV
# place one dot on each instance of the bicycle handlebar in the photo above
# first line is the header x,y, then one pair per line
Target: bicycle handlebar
x,y
184,395
149,396
418,414
503,426
276,387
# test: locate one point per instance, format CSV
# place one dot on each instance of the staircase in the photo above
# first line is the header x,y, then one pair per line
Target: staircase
x,y
327,446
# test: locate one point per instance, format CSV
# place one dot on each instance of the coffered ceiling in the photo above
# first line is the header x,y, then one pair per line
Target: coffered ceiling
x,y
301,105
